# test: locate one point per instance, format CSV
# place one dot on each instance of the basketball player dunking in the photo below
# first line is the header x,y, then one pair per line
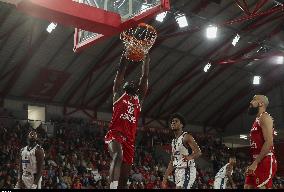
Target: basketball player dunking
x,y
184,151
31,165
126,110
260,173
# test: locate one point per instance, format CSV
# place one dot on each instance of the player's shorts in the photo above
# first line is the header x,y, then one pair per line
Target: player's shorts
x,y
220,183
28,180
264,173
127,146
185,177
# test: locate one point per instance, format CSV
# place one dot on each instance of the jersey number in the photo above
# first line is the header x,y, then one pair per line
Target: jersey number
x,y
130,109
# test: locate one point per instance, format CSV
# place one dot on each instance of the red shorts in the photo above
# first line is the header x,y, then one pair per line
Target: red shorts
x,y
264,173
127,146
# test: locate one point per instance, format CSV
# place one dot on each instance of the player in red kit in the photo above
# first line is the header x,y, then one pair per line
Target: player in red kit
x,y
120,138
260,173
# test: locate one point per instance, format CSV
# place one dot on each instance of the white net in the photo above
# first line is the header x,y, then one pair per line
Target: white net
x,y
138,41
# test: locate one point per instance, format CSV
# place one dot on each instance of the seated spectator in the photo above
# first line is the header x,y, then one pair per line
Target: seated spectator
x,y
77,184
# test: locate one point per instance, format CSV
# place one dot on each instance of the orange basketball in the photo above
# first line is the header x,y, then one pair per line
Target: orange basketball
x,y
134,54
138,41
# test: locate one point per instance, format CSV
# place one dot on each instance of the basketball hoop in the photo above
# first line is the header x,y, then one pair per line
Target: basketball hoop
x,y
138,41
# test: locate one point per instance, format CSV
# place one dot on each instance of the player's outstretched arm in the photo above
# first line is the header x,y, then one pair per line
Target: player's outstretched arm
x,y
119,78
143,84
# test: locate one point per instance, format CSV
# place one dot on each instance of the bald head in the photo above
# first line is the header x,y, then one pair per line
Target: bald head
x,y
262,99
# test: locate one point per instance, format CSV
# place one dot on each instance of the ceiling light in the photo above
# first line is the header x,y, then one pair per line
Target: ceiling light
x,y
160,17
280,60
211,32
236,40
244,137
207,67
51,27
256,80
181,20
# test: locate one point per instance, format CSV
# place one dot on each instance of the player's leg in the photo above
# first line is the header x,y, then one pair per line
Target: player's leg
x,y
20,184
249,182
124,174
265,172
127,161
217,183
180,178
191,176
116,154
28,181
223,183
39,183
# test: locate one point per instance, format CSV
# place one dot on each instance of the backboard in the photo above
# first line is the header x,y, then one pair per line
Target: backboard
x,y
131,13
93,20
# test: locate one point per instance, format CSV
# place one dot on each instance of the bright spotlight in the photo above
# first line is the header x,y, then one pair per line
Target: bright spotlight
x,y
181,20
211,32
51,27
207,67
280,60
236,40
160,17
256,80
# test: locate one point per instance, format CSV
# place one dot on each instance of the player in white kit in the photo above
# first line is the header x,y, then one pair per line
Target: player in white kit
x,y
184,151
31,165
225,174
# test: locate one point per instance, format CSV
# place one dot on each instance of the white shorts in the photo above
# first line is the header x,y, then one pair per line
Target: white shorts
x,y
185,177
220,183
29,181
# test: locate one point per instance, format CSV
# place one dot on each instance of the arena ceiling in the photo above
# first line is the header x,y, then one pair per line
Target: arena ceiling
x,y
40,66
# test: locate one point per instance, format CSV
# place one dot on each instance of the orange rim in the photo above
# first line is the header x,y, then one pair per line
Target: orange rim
x,y
131,38
149,27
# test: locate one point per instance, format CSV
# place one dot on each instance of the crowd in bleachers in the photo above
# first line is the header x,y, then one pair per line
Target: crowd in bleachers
x,y
76,157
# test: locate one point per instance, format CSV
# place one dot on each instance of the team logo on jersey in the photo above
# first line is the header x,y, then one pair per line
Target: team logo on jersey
x,y
254,128
253,144
25,161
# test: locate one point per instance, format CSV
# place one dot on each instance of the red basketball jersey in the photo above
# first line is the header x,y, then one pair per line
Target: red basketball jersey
x,y
257,139
126,111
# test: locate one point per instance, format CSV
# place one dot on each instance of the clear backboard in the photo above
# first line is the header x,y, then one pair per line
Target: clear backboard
x,y
93,20
131,13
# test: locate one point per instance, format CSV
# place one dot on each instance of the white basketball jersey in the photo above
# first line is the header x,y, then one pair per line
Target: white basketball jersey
x,y
29,160
178,150
222,172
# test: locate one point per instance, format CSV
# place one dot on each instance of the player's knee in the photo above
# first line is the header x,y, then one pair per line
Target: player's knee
x,y
117,157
